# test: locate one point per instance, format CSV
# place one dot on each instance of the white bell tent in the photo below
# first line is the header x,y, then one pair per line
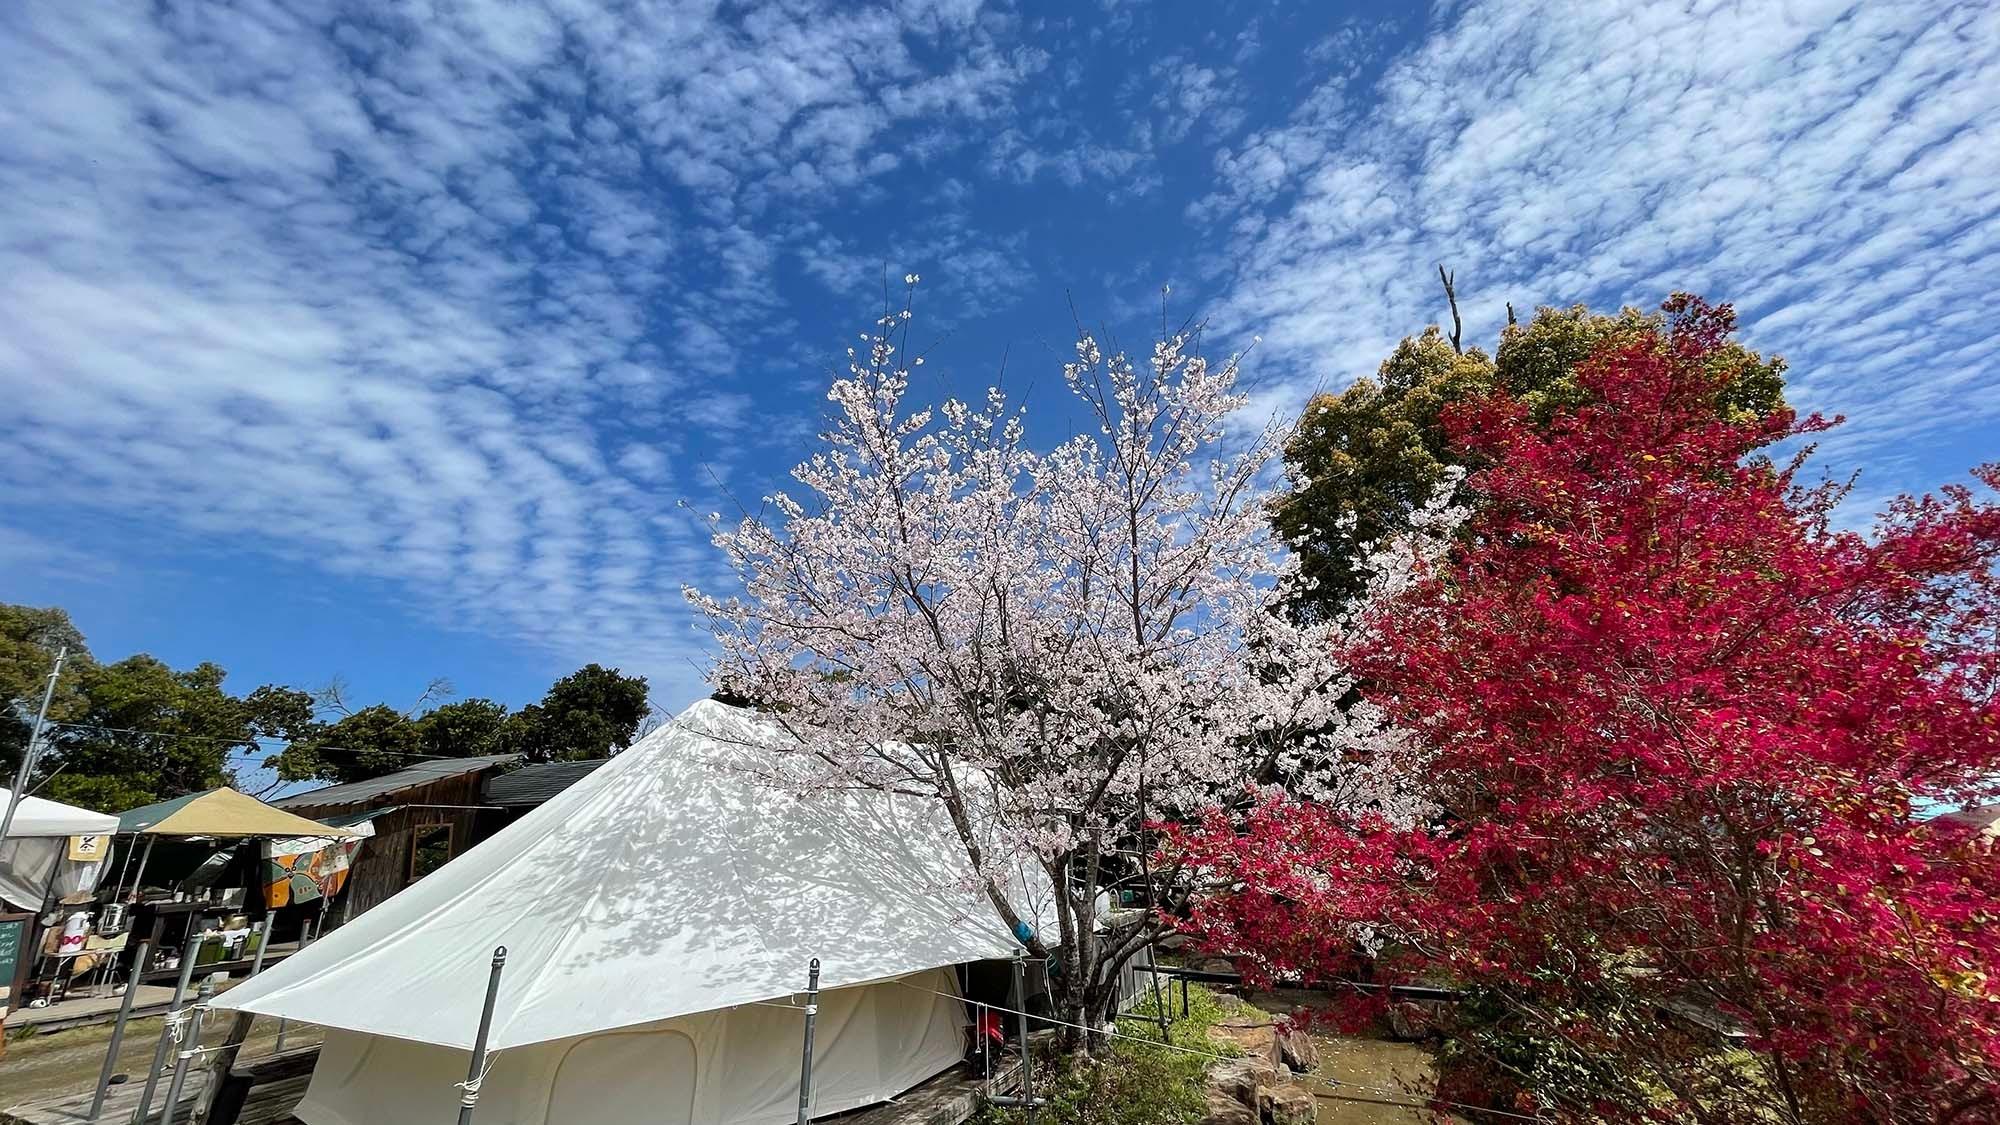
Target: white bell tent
x,y
659,918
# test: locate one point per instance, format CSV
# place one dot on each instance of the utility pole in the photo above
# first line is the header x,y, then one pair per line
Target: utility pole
x,y
19,793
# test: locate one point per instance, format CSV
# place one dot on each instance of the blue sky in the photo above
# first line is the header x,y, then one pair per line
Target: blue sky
x,y
385,341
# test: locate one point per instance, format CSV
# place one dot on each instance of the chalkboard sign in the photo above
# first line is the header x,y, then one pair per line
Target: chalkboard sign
x,y
14,956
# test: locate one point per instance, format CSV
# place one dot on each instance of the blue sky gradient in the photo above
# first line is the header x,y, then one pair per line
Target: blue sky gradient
x,y
385,341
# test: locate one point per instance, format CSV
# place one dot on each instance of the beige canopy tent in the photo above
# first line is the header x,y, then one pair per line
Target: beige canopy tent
x,y
221,814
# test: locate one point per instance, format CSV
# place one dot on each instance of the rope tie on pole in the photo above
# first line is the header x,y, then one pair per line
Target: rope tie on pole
x,y
471,1086
482,1063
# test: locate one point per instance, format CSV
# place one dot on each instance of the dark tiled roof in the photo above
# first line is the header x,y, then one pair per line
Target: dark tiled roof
x,y
531,785
389,784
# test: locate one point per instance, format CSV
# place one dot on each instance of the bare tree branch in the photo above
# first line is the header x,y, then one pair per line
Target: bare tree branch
x,y
1457,326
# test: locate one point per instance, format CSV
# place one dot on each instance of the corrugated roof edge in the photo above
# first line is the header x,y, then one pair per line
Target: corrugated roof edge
x,y
390,784
531,785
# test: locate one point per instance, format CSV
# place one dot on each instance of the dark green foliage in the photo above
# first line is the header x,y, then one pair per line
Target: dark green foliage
x,y
139,730
1361,461
466,728
132,732
367,743
587,714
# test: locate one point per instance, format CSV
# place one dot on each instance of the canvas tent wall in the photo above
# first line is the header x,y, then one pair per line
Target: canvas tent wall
x,y
737,1066
674,891
34,858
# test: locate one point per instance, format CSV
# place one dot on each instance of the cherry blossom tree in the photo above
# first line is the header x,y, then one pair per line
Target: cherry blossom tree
x,y
1681,728
1063,647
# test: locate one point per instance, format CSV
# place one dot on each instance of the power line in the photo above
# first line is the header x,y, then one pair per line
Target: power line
x,y
251,746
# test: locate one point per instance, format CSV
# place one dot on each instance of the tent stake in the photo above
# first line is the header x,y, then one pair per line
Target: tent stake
x,y
476,1073
188,954
1027,1054
806,1065
118,1029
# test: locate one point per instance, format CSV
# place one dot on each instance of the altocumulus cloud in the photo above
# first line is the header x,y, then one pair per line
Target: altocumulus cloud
x,y
1831,166
465,296
418,291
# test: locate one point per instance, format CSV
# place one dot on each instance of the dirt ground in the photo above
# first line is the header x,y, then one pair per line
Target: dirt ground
x,y
59,1062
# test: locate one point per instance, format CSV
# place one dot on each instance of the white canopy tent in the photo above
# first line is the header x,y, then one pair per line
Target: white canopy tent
x,y
34,856
658,917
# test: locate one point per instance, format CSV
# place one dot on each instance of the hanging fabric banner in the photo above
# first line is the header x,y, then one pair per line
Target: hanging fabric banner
x,y
302,869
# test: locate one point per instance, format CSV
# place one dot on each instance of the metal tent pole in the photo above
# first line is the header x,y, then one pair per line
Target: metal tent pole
x,y
475,1075
190,1047
188,955
118,1030
806,1064
218,1064
144,858
305,939
124,864
1027,1053
20,791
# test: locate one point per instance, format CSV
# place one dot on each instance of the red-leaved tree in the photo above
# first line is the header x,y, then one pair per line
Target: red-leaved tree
x,y
1681,730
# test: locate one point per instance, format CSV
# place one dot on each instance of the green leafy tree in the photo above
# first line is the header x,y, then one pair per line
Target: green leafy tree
x,y
131,732
361,744
590,713
30,637
1360,462
467,728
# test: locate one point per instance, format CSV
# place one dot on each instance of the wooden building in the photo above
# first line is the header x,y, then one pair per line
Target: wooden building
x,y
422,816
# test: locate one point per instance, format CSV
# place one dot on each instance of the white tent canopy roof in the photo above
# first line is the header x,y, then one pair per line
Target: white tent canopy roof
x,y
37,817
669,882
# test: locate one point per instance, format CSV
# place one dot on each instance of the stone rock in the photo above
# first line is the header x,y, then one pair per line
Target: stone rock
x,y
1217,965
1414,1019
1298,1050
1287,1103
1242,1078
1225,1110
1254,1035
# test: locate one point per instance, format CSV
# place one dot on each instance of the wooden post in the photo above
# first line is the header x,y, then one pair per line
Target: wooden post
x,y
475,1075
806,1065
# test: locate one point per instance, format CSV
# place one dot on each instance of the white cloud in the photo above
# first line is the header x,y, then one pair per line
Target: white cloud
x,y
427,292
1829,165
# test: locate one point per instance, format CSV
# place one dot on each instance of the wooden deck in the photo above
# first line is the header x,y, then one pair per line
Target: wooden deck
x,y
85,1011
949,1099
276,1083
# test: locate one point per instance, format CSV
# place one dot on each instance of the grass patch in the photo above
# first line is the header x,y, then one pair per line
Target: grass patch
x,y
1134,1083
